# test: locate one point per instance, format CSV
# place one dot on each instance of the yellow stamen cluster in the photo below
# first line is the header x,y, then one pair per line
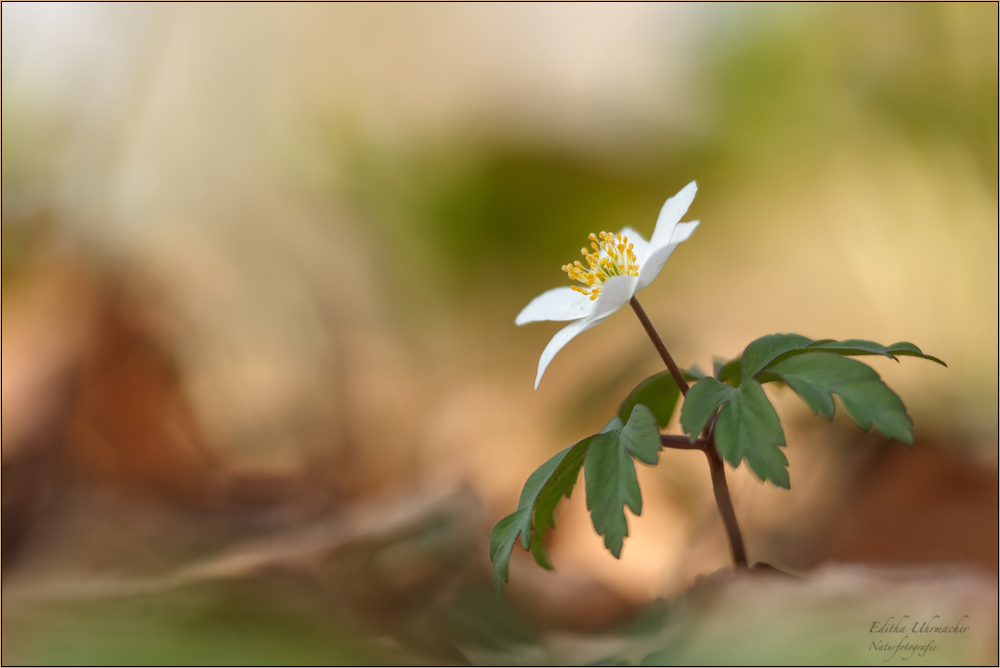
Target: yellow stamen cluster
x,y
612,256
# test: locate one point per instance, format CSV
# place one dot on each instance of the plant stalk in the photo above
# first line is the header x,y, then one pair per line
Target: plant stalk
x,y
725,504
707,443
658,344
677,442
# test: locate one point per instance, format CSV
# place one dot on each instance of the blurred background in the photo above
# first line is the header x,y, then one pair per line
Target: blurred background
x,y
263,395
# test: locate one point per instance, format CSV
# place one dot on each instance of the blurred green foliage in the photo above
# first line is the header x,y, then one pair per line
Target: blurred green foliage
x,y
269,620
490,208
832,74
33,144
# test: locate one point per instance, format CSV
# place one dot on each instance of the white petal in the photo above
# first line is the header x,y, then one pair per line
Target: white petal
x,y
562,337
639,244
562,303
683,232
650,269
671,213
615,294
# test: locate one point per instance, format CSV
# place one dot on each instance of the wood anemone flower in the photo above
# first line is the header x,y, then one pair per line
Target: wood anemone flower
x,y
618,266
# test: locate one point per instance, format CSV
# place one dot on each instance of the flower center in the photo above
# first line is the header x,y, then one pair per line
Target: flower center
x,y
612,256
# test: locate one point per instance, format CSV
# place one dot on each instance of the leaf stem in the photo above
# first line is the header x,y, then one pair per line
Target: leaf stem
x,y
706,444
658,344
678,442
725,504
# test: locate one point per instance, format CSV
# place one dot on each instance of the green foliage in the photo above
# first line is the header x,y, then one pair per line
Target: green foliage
x,y
641,435
693,375
816,377
858,347
658,393
727,372
765,350
505,532
611,483
559,484
502,539
748,428
701,401
773,348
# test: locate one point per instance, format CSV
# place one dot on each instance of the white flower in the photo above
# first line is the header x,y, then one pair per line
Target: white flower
x,y
619,266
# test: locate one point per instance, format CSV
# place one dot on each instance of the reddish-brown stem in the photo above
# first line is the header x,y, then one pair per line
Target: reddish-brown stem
x,y
658,343
681,442
706,443
725,504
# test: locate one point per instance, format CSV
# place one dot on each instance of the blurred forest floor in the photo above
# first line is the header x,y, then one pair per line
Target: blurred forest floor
x,y
115,553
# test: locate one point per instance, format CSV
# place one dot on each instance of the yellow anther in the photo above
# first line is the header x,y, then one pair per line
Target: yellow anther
x,y
613,256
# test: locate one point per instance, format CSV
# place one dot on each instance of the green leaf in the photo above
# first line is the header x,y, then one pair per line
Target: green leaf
x,y
641,436
506,530
858,347
905,348
850,347
614,473
559,484
693,375
728,372
502,539
611,484
532,486
542,492
775,348
701,401
614,424
770,463
816,377
658,393
748,428
610,474
766,349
